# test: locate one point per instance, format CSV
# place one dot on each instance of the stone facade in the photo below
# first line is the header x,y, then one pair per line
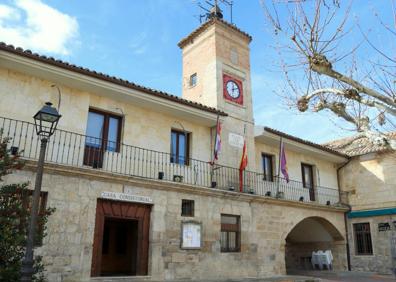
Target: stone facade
x,y
370,183
265,223
74,186
209,56
383,259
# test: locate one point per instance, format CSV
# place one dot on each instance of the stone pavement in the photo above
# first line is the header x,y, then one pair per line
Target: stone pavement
x,y
284,278
307,276
348,276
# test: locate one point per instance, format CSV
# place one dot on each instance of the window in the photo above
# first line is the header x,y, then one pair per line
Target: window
x,y
103,131
187,208
179,147
193,80
307,175
363,245
268,171
230,239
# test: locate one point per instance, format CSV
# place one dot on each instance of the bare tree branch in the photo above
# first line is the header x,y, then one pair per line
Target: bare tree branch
x,y
323,73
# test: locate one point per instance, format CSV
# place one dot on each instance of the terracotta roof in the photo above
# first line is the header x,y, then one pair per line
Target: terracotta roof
x,y
205,25
65,65
305,142
359,145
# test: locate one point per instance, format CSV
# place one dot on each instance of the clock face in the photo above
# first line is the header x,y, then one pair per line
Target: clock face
x,y
233,89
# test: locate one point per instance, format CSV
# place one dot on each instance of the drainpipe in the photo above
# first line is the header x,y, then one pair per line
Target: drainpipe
x,y
345,214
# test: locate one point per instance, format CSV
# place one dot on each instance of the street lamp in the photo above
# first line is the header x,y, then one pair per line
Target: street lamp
x,y
46,121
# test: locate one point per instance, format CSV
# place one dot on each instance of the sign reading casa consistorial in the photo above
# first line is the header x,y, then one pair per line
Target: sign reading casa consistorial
x,y
126,197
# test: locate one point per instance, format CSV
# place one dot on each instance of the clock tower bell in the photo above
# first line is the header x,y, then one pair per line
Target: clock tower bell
x,y
216,73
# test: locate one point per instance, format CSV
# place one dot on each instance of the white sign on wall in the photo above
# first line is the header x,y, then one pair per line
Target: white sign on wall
x,y
126,197
191,235
235,140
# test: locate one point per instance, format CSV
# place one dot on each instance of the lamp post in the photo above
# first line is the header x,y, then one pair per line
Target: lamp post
x,y
45,121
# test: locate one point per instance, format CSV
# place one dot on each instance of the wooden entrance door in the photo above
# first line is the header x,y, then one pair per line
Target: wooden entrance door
x,y
116,210
119,247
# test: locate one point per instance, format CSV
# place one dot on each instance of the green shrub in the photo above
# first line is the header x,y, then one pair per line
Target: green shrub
x,y
15,200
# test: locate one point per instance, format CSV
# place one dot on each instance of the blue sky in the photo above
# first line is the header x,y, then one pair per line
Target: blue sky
x,y
137,40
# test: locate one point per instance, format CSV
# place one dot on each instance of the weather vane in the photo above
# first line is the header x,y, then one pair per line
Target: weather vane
x,y
211,9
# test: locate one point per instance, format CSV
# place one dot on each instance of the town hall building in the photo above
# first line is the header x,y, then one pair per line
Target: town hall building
x,y
132,174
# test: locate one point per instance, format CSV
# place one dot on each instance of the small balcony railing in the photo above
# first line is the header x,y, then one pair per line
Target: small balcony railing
x,y
77,150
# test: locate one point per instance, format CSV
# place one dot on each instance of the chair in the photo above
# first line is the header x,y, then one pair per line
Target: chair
x,y
314,260
329,259
321,260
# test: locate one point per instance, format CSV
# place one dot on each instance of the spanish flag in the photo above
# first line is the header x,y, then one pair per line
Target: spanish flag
x,y
242,166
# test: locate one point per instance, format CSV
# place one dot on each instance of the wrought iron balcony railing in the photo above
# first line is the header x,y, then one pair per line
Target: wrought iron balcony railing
x,y
77,150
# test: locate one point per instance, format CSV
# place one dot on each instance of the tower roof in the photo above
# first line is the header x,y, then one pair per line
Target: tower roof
x,y
206,25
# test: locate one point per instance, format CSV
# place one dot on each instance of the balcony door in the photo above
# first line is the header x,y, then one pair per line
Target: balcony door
x,y
103,134
179,147
308,179
268,171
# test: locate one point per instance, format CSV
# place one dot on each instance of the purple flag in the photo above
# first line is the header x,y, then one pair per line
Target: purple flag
x,y
283,163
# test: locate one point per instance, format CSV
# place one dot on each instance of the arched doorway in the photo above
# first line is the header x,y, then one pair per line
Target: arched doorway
x,y
313,234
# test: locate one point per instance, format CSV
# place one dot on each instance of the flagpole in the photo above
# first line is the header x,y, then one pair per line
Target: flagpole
x,y
279,165
244,174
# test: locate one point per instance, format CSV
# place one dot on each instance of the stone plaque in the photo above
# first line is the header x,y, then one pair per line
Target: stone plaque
x,y
126,197
235,140
191,235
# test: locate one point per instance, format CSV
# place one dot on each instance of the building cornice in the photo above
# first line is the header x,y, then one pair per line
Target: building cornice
x,y
162,185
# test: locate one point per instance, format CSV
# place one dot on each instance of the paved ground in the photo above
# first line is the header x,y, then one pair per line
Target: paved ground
x,y
306,276
349,276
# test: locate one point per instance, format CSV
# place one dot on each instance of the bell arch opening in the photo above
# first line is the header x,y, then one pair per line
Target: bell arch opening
x,y
313,234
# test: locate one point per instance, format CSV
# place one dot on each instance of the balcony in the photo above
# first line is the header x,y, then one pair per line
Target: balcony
x,y
76,150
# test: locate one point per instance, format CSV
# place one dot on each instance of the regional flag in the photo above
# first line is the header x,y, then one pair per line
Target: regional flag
x,y
283,163
217,146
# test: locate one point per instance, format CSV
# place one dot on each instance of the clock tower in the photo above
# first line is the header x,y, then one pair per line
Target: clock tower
x,y
216,73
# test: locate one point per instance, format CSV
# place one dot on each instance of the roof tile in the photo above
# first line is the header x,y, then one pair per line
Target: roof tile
x,y
358,145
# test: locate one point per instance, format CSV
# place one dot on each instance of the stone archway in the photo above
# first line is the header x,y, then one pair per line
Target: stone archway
x,y
313,234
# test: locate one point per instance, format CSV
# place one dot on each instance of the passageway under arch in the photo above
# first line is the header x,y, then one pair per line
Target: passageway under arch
x,y
313,234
